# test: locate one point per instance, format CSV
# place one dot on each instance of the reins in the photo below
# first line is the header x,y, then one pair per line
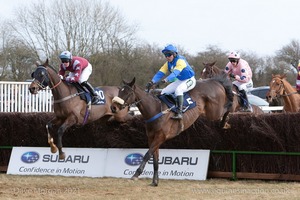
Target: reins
x,y
43,87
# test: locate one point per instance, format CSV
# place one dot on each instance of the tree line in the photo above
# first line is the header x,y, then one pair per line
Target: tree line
x,y
97,31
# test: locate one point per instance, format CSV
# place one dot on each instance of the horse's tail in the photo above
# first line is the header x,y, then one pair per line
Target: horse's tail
x,y
227,84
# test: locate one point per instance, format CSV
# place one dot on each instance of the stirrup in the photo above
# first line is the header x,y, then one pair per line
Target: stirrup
x,y
95,99
177,116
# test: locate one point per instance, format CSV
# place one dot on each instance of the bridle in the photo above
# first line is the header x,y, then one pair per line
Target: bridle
x,y
279,92
42,80
129,94
43,83
209,72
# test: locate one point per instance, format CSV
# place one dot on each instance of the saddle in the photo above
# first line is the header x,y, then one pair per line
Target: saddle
x,y
86,95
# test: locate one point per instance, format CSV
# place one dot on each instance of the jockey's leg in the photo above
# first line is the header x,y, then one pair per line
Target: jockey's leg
x,y
91,90
246,104
178,115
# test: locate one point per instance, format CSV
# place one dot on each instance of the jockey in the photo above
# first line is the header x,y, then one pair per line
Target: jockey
x,y
181,77
240,70
79,71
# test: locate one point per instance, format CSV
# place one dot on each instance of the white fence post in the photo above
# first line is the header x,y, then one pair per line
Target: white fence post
x,y
15,97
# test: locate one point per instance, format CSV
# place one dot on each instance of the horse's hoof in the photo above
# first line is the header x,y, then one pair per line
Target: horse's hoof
x,y
62,156
227,126
53,149
134,178
154,184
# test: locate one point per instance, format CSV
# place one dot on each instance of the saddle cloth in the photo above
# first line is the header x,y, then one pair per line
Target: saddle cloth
x,y
87,97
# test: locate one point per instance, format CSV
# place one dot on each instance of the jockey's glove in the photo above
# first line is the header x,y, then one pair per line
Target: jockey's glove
x,y
149,85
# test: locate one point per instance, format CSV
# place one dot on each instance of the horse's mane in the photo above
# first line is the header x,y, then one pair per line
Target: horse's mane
x,y
282,77
223,79
52,68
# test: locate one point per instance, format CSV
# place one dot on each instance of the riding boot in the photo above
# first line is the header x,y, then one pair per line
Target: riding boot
x,y
178,115
90,88
247,106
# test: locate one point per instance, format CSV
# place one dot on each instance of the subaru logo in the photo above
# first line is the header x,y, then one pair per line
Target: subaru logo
x,y
134,159
30,157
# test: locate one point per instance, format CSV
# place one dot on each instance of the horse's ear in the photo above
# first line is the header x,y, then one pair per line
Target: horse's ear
x,y
213,63
132,82
37,63
283,76
46,63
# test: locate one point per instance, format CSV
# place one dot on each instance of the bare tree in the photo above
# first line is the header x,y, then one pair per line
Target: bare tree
x,y
289,55
84,27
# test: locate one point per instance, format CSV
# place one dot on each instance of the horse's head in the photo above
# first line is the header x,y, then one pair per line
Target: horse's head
x,y
276,87
209,70
126,97
40,78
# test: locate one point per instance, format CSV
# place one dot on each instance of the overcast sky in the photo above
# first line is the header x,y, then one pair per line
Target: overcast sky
x,y
259,26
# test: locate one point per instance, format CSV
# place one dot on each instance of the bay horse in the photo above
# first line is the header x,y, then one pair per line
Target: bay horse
x,y
280,87
213,99
69,108
210,70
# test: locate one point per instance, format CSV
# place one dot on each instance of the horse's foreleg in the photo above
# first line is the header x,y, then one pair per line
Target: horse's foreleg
x,y
50,138
60,133
138,172
224,121
68,123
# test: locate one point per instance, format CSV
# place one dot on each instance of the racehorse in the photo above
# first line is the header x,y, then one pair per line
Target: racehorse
x,y
213,98
210,70
69,108
280,87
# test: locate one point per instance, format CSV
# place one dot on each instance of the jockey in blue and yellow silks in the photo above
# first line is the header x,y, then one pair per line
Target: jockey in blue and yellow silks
x,y
181,77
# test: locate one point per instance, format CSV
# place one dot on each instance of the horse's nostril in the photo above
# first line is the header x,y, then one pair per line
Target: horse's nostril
x,y
113,109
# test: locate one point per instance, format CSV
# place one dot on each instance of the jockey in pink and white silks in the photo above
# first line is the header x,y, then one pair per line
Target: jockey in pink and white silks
x,y
240,70
181,76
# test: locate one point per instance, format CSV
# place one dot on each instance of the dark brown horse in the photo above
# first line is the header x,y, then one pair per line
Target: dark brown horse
x,y
213,99
210,70
69,108
281,88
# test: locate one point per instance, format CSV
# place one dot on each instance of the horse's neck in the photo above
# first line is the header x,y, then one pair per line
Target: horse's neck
x,y
59,89
287,87
147,104
291,100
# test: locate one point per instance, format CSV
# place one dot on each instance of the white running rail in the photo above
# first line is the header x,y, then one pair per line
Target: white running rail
x,y
15,97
